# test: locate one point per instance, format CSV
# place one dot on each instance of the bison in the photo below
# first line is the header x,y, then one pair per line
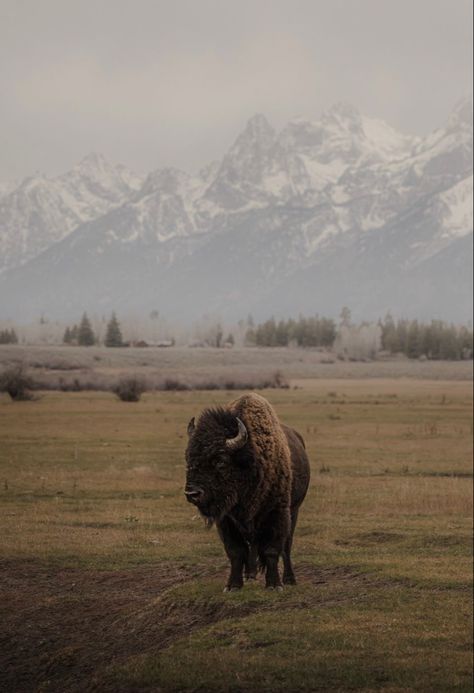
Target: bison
x,y
248,473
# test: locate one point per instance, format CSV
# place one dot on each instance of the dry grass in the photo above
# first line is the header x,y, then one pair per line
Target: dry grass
x,y
191,365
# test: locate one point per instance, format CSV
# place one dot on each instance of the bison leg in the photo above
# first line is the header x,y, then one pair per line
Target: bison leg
x,y
236,550
251,563
278,527
272,576
288,574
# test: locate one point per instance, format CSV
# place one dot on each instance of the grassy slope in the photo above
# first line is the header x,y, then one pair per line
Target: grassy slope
x,y
383,546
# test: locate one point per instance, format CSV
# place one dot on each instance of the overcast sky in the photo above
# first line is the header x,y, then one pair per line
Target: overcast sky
x,y
152,83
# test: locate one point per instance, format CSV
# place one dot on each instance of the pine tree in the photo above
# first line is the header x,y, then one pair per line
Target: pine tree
x,y
8,337
67,336
219,335
113,336
85,335
250,337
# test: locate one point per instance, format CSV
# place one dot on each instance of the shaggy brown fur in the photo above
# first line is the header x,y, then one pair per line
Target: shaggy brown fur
x,y
253,493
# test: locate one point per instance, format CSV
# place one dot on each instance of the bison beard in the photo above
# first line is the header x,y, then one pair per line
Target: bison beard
x,y
249,474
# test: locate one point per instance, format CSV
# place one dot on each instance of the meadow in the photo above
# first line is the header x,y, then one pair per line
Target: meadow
x,y
110,581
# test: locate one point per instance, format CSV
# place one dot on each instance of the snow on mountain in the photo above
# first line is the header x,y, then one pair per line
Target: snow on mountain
x,y
457,216
339,210
42,211
94,186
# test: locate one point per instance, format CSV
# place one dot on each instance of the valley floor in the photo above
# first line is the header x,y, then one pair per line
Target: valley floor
x,y
191,366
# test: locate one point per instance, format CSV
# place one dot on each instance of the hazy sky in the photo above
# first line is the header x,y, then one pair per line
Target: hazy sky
x,y
152,83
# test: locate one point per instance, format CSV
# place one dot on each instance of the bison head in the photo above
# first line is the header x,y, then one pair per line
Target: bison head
x,y
219,465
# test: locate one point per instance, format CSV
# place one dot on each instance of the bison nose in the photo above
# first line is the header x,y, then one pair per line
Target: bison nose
x,y
193,494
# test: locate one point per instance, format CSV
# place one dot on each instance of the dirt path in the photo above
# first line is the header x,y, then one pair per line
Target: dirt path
x,y
59,626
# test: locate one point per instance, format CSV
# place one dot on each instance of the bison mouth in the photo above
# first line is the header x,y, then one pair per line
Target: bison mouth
x,y
213,512
211,509
209,513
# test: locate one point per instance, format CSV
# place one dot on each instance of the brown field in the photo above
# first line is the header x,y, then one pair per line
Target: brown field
x,y
194,366
110,581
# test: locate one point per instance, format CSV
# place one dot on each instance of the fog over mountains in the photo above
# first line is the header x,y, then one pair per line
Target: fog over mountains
x,y
343,210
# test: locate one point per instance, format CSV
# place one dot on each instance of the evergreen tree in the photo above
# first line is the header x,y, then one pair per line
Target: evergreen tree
x,y
8,337
85,334
113,336
250,337
219,336
67,336
281,334
413,340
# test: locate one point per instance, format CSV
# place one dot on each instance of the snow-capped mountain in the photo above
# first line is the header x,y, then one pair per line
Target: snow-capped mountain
x,y
343,210
42,211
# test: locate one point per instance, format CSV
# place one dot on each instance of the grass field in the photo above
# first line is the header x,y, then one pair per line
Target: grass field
x,y
109,580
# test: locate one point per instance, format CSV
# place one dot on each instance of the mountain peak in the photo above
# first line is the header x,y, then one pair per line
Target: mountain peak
x,y
32,182
274,224
257,129
343,111
461,115
93,161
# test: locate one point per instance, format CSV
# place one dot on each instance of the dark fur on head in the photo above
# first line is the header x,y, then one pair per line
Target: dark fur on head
x,y
222,474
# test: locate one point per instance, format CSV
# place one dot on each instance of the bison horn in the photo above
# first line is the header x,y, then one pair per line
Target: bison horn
x,y
239,440
191,427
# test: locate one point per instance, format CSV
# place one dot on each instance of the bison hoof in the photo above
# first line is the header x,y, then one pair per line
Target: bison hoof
x,y
289,580
278,588
231,588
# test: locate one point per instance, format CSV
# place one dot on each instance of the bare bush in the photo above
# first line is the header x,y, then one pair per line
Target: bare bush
x,y
358,342
274,381
130,389
17,383
173,384
84,380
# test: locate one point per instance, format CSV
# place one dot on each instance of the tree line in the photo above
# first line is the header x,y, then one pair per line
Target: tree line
x,y
83,334
434,340
8,337
415,339
304,332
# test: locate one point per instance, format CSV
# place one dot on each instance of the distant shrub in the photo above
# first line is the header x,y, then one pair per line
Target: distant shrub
x,y
17,383
83,382
130,389
279,381
173,384
275,381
